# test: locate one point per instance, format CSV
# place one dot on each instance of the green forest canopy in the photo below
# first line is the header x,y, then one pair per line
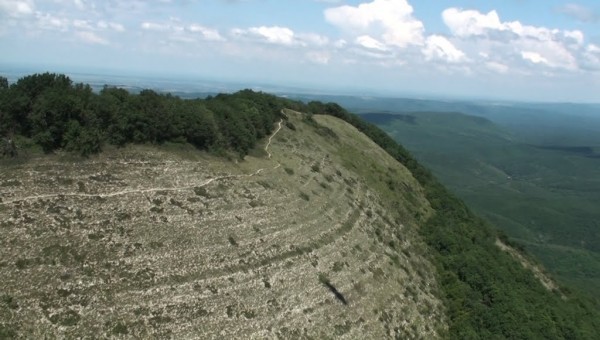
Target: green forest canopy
x,y
487,294
57,114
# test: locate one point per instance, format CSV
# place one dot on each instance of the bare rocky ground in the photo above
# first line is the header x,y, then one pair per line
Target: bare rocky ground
x,y
147,242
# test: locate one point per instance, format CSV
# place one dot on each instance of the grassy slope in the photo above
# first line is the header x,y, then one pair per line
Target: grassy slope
x,y
140,242
545,199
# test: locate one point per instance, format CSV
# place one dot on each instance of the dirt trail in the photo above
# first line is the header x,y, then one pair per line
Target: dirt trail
x,y
149,190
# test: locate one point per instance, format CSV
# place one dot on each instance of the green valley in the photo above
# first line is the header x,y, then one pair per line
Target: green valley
x,y
534,174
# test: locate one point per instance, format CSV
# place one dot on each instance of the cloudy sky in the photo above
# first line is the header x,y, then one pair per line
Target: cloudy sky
x,y
513,49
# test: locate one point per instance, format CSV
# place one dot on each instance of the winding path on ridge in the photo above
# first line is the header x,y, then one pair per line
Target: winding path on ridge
x,y
149,190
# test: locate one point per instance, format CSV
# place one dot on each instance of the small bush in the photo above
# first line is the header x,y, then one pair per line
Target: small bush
x,y
232,241
337,267
304,196
289,171
10,301
323,278
290,125
120,329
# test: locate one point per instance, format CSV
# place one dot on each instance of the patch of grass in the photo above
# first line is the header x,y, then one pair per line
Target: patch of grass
x,y
290,125
289,171
323,278
315,168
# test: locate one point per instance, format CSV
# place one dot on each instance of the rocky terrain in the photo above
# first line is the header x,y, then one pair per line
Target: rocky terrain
x,y
312,236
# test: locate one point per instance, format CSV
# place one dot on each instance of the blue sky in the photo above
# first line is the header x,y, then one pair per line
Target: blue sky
x,y
538,50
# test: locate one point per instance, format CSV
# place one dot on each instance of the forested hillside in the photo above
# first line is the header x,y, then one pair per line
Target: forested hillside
x,y
486,292
57,114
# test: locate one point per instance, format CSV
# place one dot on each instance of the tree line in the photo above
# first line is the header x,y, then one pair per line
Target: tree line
x,y
54,113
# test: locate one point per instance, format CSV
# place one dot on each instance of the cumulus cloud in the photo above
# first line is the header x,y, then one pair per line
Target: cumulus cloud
x,y
466,23
390,21
274,34
110,25
370,43
48,21
440,48
539,45
91,38
206,33
591,58
182,32
16,8
282,36
497,67
318,57
534,57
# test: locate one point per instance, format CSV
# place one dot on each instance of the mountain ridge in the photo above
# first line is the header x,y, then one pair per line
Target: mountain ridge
x,y
341,234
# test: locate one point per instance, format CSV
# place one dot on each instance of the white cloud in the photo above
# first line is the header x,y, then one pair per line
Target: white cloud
x,y
591,57
390,21
16,8
576,36
497,67
440,48
593,48
313,39
370,43
282,36
470,23
152,26
206,33
341,43
534,57
82,24
319,57
47,21
273,34
540,45
91,38
175,30
110,25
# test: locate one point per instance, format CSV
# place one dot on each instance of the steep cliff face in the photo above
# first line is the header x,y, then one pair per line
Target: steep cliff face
x,y
314,235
